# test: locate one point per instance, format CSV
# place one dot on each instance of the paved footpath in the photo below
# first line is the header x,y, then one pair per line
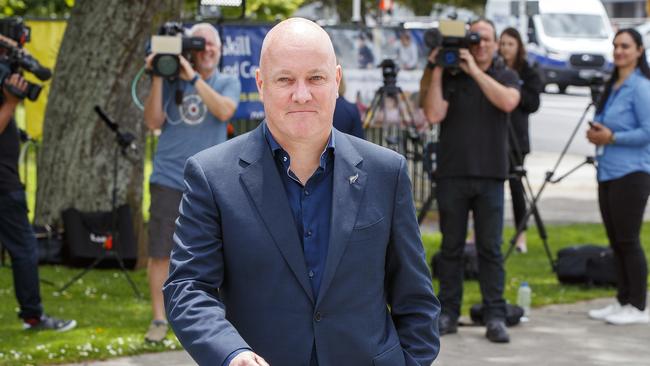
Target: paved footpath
x,y
557,335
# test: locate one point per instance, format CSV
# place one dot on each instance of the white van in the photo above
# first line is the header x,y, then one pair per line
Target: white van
x,y
569,40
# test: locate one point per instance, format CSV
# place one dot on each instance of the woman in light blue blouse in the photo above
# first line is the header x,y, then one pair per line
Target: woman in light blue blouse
x,y
622,138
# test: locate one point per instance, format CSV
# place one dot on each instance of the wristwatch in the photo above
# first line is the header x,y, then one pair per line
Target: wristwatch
x,y
431,65
194,79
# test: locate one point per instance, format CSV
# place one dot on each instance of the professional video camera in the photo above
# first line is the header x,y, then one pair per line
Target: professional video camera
x,y
450,36
168,45
13,59
389,69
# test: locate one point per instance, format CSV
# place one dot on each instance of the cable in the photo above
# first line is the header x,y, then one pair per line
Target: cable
x,y
134,96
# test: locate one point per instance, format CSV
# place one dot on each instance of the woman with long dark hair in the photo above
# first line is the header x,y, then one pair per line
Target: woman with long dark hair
x,y
512,50
622,138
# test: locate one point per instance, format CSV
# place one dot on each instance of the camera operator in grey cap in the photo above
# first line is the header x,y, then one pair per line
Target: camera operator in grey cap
x,y
198,121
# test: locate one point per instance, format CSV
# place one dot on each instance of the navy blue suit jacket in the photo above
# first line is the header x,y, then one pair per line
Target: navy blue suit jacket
x,y
238,276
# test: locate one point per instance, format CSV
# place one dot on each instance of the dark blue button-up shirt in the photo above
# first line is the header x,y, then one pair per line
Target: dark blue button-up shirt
x,y
311,206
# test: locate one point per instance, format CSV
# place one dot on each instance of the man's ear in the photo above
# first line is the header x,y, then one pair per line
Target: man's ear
x,y
339,76
259,82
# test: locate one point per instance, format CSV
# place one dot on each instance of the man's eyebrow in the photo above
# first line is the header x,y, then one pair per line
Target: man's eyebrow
x,y
290,72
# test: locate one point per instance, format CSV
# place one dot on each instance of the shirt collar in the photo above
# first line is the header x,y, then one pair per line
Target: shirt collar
x,y
277,149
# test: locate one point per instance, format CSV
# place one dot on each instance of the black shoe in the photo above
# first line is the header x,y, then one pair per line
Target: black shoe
x,y
46,322
497,332
447,324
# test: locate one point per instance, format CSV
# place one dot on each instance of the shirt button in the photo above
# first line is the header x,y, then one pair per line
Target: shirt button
x,y
307,192
318,316
284,158
311,274
308,233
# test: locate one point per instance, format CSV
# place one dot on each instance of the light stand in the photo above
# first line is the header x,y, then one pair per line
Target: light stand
x,y
124,141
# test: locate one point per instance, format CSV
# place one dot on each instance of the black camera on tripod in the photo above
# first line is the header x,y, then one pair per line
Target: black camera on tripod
x,y
596,87
13,59
168,45
450,37
389,70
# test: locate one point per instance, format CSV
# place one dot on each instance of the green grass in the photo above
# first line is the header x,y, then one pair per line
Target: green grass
x,y
534,267
111,321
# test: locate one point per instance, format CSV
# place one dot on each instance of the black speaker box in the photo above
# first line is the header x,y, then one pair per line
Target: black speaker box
x,y
86,233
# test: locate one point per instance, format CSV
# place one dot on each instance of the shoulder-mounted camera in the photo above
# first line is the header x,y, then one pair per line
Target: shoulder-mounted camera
x,y
450,37
168,45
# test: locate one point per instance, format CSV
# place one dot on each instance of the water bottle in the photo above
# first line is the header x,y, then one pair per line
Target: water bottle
x,y
523,299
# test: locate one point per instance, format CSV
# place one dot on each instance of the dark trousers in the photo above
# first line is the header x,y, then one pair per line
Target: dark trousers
x,y
518,196
622,204
18,239
456,198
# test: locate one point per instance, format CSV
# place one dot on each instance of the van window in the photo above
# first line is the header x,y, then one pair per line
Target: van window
x,y
574,25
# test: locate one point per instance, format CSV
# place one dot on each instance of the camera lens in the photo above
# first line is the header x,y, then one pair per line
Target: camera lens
x,y
166,65
450,57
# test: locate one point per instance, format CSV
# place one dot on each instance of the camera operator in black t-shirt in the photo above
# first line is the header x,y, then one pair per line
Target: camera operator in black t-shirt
x,y
16,233
472,107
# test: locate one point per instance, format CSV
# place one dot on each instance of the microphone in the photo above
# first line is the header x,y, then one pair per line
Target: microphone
x,y
112,125
125,139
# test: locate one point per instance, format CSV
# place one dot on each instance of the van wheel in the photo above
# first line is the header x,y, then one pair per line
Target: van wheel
x,y
562,88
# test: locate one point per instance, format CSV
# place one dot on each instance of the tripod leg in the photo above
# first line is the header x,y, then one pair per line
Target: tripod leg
x,y
541,228
83,273
425,208
541,231
126,274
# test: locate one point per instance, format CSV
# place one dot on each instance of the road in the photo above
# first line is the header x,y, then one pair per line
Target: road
x,y
574,199
552,125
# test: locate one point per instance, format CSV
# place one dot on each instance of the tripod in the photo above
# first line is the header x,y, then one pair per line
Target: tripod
x,y
534,198
390,91
404,141
123,141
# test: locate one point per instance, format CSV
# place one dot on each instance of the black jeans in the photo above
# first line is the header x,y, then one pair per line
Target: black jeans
x,y
17,237
456,198
622,204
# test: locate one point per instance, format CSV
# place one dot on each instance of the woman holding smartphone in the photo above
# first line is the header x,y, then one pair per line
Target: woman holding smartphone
x,y
621,133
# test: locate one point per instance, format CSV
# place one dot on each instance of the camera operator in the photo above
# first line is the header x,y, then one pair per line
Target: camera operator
x,y
472,108
190,125
16,233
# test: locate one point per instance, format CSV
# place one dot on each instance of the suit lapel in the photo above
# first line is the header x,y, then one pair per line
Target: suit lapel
x,y
265,187
349,184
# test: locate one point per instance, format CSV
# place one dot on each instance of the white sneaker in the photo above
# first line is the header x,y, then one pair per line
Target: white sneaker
x,y
629,315
602,313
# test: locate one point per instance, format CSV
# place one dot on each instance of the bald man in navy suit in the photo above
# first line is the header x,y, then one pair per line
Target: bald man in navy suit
x,y
297,244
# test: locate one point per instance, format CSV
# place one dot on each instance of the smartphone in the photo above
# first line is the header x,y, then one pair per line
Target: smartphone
x,y
592,125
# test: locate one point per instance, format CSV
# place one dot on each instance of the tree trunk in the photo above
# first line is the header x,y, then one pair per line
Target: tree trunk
x,y
101,52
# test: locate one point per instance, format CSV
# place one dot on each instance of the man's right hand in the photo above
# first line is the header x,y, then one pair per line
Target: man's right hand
x,y
17,82
148,61
433,55
248,358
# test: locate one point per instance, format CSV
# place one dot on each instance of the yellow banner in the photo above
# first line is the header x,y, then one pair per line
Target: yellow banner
x,y
46,38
